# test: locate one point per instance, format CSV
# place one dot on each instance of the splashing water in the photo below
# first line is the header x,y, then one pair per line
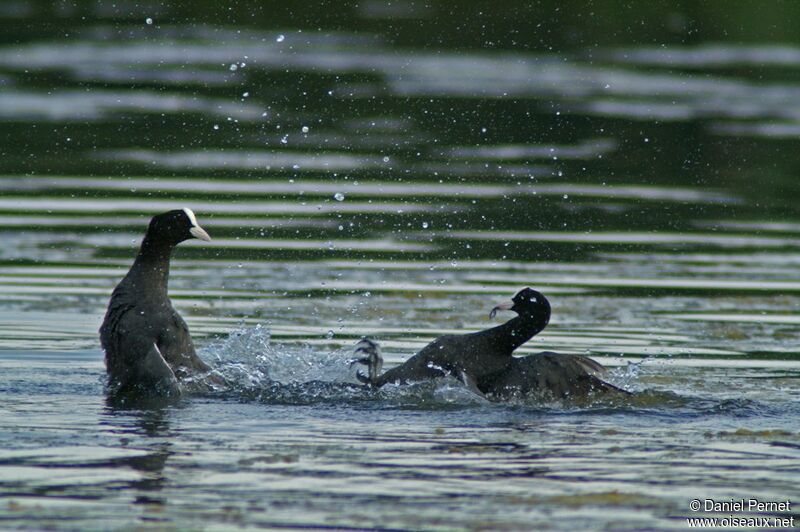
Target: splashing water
x,y
247,357
258,369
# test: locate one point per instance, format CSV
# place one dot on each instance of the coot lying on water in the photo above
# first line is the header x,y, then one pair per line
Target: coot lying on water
x,y
484,360
147,344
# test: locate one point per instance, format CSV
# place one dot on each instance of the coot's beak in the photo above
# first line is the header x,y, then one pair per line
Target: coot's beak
x,y
195,230
503,306
199,232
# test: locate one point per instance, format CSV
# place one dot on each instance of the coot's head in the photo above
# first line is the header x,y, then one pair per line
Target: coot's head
x,y
173,227
528,303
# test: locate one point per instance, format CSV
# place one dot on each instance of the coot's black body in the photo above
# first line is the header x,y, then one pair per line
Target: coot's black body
x,y
147,344
484,360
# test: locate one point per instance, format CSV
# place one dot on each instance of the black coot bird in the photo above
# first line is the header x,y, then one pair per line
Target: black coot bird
x,y
147,344
484,360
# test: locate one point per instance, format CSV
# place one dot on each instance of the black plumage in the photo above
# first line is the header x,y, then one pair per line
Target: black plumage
x,y
484,360
147,344
548,375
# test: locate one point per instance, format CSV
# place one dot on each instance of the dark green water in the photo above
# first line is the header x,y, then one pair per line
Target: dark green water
x,y
397,170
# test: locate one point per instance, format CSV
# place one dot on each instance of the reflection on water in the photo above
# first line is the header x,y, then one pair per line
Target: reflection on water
x,y
398,180
713,56
75,106
152,422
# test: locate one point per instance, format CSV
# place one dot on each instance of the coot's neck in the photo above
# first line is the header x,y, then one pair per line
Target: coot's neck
x,y
150,270
519,330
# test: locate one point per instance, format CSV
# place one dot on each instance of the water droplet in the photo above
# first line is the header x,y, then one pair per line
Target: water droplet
x,y
424,225
245,95
304,129
386,159
566,196
216,126
285,139
149,21
280,38
234,67
329,334
338,196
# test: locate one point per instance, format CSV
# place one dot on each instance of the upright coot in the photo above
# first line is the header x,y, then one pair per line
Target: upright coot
x,y
147,344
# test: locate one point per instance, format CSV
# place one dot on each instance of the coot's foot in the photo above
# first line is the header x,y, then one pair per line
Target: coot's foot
x,y
372,359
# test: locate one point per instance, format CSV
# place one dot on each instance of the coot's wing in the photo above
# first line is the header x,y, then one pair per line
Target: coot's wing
x,y
471,384
178,349
557,374
430,362
592,367
145,371
155,371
